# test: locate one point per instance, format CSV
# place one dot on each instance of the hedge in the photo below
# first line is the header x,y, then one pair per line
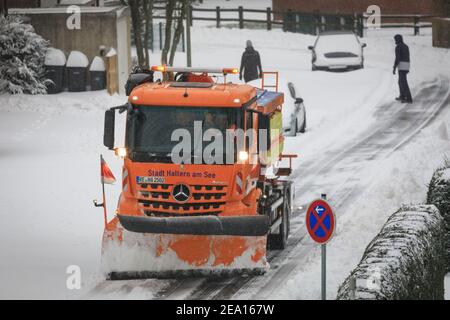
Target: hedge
x,y
404,261
439,195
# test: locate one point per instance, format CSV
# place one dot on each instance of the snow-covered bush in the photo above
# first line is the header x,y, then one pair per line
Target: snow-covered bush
x,y
439,195
22,55
404,261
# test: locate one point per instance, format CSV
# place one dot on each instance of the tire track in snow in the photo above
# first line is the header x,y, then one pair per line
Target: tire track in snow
x,y
394,134
396,131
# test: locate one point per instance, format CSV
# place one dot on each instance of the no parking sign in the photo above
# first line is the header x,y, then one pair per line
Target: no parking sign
x,y
320,221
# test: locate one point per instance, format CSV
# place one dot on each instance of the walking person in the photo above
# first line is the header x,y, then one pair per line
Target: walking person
x,y
250,64
402,63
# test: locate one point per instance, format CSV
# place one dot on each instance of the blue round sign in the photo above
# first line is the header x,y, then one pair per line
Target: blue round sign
x,y
320,221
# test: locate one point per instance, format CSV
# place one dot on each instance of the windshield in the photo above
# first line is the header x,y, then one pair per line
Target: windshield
x,y
338,43
150,129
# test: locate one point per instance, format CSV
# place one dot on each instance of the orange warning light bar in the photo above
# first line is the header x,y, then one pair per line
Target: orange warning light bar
x,y
159,68
230,71
224,71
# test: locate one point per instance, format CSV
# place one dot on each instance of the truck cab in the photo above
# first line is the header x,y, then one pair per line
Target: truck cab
x,y
195,156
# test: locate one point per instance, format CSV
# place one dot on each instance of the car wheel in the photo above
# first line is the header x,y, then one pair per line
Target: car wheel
x,y
302,127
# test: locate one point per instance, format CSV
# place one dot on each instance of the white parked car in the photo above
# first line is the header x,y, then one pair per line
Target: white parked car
x,y
294,113
337,50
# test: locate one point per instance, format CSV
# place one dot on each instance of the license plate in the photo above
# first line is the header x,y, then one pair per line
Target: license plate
x,y
338,67
148,180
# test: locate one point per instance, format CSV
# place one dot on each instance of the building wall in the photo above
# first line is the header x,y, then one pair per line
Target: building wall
x,y
123,51
32,3
352,6
441,32
23,4
442,8
48,3
95,30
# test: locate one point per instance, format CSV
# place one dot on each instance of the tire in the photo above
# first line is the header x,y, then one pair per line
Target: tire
x,y
279,241
303,127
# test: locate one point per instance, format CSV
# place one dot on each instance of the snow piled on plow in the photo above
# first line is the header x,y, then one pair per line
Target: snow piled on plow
x,y
137,253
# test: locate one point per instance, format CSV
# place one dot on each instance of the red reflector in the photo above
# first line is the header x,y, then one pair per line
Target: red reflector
x,y
239,183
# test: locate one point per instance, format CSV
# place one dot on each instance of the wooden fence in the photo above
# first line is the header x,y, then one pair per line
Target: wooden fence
x,y
218,17
310,23
414,21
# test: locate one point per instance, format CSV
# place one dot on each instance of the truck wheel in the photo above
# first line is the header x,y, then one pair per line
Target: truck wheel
x,y
279,241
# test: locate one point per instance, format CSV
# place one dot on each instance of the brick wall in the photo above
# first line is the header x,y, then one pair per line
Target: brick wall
x,y
441,32
351,6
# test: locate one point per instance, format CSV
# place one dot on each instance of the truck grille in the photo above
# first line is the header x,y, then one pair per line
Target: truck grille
x,y
157,200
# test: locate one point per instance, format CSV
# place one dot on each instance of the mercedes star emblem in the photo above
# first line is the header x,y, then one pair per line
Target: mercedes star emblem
x,y
181,193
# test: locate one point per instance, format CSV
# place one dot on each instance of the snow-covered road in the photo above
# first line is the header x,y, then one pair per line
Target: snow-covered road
x,y
49,149
339,173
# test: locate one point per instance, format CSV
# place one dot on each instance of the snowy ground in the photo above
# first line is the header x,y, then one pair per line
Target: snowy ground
x,y
49,165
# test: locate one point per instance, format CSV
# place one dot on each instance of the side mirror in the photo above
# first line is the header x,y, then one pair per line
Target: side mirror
x,y
108,133
364,45
137,79
292,90
299,101
311,48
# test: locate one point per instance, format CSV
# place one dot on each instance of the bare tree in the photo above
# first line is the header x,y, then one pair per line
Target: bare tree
x,y
142,23
141,18
170,6
136,21
148,34
178,31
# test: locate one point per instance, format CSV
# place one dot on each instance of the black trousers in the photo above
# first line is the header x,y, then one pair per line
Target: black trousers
x,y
405,92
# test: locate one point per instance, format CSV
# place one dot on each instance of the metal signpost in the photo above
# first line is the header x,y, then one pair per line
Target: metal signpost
x,y
321,223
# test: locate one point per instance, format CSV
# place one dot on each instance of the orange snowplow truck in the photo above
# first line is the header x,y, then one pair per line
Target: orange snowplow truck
x,y
191,202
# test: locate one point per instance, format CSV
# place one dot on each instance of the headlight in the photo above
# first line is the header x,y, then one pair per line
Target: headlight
x,y
121,152
243,155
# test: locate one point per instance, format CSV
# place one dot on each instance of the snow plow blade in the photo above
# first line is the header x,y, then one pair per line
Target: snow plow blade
x,y
207,225
176,274
142,248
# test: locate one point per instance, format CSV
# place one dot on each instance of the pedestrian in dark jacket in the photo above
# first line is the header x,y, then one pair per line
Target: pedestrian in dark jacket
x,y
402,63
250,64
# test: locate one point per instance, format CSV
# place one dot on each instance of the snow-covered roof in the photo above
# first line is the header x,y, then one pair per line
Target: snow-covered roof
x,y
77,59
111,52
55,57
97,64
55,10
